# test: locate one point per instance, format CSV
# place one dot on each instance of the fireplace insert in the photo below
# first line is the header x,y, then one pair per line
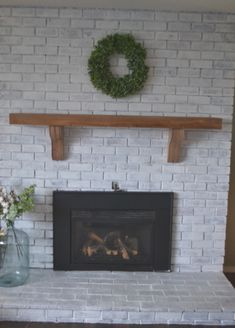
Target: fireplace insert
x,y
128,231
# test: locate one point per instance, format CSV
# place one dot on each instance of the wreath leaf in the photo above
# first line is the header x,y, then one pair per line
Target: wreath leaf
x,y
99,66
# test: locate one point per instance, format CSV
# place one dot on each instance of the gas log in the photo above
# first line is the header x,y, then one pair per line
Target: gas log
x,y
112,244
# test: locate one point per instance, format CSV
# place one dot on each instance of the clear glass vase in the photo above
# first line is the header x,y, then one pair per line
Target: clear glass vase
x,y
14,258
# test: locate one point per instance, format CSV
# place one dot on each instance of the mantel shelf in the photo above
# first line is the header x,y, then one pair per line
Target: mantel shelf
x,y
56,123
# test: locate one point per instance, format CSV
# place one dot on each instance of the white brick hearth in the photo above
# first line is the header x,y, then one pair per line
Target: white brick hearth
x,y
121,297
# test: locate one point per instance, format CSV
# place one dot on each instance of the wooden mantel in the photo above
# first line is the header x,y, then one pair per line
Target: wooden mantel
x,y
56,123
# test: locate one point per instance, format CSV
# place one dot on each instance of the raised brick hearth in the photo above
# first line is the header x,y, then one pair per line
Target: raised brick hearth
x,y
121,297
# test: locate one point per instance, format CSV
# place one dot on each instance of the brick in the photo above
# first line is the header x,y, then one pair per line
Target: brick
x,y
224,46
45,50
179,26
58,22
189,36
214,17
183,45
168,316
23,31
5,172
47,12
190,17
167,36
178,63
203,27
71,13
52,41
47,32
9,164
223,83
108,315
166,16
36,41
25,12
82,23
69,33
142,15
35,22
4,68
204,45
4,50
24,50
28,59
225,28
201,63
187,91
212,55
10,77
195,316
59,314
106,24
5,11
33,148
155,26
128,25
145,317
5,30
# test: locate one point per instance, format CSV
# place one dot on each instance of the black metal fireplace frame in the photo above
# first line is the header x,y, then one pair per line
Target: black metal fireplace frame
x,y
65,202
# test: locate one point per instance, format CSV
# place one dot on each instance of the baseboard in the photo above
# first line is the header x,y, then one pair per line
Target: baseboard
x,y
229,268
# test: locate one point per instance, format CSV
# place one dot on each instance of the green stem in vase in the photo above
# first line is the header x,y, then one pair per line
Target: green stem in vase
x,y
18,246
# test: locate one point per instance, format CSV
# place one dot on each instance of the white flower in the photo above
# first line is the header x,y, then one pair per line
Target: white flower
x,y
2,232
3,191
11,199
5,205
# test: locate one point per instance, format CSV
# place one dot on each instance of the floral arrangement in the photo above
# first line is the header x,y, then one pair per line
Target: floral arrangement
x,y
13,205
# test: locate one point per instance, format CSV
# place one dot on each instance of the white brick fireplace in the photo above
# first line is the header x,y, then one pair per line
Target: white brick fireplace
x,y
43,69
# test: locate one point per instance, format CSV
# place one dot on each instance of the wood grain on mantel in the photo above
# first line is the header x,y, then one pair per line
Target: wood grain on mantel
x,y
56,122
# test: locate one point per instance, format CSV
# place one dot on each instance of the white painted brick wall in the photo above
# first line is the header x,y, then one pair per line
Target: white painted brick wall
x,y
43,68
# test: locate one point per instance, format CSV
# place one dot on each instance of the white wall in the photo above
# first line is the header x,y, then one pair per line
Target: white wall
x,y
43,68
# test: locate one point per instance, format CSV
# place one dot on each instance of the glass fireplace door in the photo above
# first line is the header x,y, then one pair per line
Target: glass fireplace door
x,y
114,238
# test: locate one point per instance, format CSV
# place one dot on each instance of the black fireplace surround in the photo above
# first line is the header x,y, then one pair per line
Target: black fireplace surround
x,y
128,231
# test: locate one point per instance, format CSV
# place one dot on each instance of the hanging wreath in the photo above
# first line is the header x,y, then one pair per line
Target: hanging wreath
x,y
99,65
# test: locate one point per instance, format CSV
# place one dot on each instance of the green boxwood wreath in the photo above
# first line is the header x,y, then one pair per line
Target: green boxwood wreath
x,y
99,65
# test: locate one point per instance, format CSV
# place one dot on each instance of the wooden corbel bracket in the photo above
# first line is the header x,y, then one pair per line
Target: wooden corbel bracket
x,y
176,137
57,142
177,125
